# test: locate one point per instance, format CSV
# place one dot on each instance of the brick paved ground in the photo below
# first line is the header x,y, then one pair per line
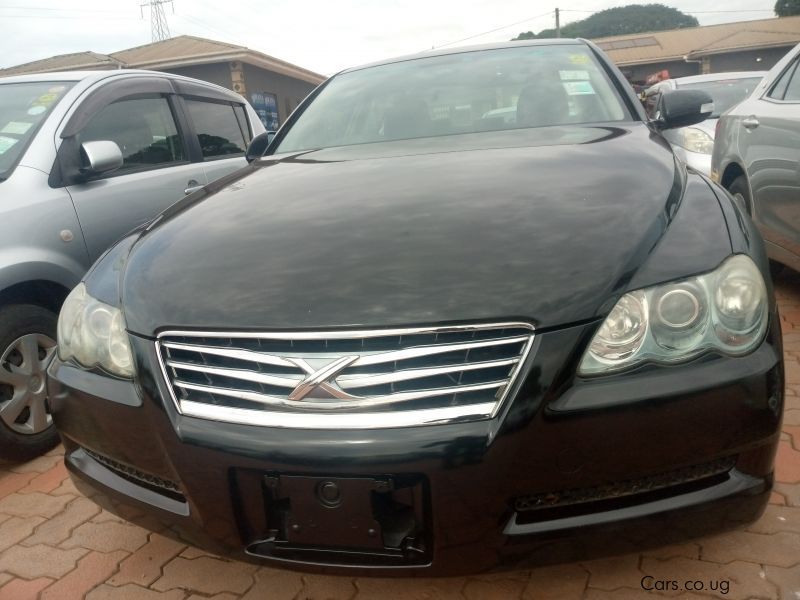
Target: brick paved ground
x,y
56,544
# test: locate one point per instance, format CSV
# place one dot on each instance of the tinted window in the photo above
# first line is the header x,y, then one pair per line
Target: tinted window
x,y
241,117
793,89
23,108
529,86
217,127
143,128
779,89
725,92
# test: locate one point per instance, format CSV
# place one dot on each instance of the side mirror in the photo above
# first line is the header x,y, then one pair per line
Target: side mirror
x,y
681,108
258,145
100,157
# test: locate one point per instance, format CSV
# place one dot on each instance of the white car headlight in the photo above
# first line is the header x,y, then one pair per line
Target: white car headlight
x,y
695,140
92,333
725,310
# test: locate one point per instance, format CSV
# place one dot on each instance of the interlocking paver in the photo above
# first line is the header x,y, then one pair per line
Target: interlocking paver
x,y
787,580
206,575
59,528
614,572
132,592
107,537
376,588
48,481
320,587
92,569
144,566
35,504
13,482
779,549
40,561
22,589
498,589
15,529
275,584
556,582
777,518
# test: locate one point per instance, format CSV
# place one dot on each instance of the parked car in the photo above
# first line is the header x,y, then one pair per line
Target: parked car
x,y
85,157
407,342
757,158
693,145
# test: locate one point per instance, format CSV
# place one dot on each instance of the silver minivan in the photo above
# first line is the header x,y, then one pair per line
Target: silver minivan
x,y
86,157
757,158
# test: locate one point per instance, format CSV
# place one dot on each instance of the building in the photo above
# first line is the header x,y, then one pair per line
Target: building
x,y
274,87
742,46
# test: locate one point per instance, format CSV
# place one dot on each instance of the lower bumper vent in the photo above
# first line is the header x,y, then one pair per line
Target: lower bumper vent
x,y
624,489
152,482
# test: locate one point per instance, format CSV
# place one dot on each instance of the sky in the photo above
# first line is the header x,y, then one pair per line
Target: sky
x,y
321,35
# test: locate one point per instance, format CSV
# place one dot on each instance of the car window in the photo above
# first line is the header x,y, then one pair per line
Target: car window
x,y
793,88
778,91
469,92
23,108
218,129
241,117
143,128
726,93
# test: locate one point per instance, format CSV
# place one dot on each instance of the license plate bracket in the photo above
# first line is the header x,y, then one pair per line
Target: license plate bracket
x,y
327,511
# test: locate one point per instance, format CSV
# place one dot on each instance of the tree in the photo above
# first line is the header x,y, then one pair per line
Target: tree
x,y
634,18
787,8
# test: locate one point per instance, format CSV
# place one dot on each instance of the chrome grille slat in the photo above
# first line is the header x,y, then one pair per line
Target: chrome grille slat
x,y
337,404
437,374
355,381
238,374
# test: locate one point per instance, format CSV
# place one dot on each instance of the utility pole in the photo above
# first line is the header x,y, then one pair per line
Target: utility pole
x,y
558,24
158,20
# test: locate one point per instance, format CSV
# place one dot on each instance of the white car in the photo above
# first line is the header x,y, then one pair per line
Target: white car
x,y
757,158
693,145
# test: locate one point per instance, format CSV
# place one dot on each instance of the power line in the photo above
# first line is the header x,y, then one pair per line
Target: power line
x,y
471,37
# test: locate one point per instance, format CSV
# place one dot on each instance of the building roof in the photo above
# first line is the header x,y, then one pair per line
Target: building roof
x,y
695,42
186,50
181,51
65,62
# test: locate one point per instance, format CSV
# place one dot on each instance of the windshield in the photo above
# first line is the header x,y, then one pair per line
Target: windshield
x,y
489,90
726,92
23,108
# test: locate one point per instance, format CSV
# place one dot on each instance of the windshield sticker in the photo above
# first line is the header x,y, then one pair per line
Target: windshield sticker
x,y
56,89
16,128
45,99
36,110
6,143
569,75
578,88
579,59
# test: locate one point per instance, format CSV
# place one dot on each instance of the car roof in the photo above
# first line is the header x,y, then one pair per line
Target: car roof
x,y
718,77
475,48
94,76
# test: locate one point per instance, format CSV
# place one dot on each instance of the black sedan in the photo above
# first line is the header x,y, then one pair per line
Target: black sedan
x,y
467,309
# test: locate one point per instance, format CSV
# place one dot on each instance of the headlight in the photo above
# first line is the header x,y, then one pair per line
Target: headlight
x,y
92,334
695,140
725,310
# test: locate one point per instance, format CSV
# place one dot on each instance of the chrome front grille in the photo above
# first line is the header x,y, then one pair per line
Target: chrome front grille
x,y
345,379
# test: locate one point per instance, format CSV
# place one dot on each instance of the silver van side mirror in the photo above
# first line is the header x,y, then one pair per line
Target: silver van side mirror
x,y
101,156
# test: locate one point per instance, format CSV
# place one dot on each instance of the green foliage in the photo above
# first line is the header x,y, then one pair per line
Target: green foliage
x,y
787,8
634,18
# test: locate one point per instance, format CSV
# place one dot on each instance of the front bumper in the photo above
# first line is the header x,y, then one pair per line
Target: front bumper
x,y
572,469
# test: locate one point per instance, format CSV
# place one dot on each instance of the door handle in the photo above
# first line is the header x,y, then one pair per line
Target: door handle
x,y
750,122
192,186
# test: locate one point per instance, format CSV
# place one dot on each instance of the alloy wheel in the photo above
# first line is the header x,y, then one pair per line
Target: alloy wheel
x,y
23,390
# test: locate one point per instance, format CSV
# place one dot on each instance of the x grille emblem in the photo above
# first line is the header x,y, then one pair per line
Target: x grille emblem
x,y
321,378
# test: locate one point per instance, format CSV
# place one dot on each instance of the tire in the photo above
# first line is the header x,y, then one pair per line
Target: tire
x,y
741,194
27,342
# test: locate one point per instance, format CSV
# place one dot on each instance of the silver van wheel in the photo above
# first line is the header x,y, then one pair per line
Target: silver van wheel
x,y
23,390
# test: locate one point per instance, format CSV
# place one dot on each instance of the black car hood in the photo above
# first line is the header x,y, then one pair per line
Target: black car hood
x,y
544,225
